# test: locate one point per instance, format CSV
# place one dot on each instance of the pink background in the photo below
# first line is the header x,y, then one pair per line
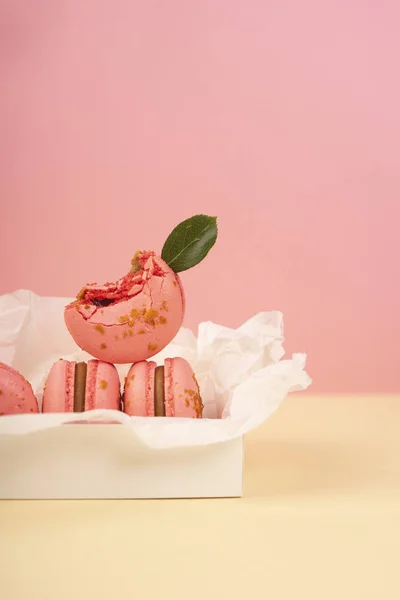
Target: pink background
x,y
121,118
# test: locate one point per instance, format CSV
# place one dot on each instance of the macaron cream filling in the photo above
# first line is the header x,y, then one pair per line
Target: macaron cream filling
x,y
159,392
80,386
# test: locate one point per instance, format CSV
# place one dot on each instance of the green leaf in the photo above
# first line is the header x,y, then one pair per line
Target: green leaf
x,y
190,242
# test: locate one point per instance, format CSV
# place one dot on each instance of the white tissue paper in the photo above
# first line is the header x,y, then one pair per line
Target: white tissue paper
x,y
242,379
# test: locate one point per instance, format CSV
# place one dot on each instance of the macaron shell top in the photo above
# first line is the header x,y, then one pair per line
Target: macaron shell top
x,y
16,394
144,313
58,393
182,393
102,386
139,390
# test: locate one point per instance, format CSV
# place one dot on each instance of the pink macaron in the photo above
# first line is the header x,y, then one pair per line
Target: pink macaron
x,y
132,319
170,390
16,394
77,387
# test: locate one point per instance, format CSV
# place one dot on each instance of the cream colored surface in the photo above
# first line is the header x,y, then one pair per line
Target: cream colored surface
x,y
320,520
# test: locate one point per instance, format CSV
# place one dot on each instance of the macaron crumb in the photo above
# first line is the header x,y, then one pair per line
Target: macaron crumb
x,y
152,347
163,320
141,332
196,400
81,294
150,315
103,346
103,384
99,328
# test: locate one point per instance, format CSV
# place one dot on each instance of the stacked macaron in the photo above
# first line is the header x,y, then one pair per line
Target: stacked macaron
x,y
131,319
128,321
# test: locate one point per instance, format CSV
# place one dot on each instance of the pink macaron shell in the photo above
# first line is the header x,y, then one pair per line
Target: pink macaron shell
x,y
139,389
16,394
178,279
182,394
58,393
132,329
102,386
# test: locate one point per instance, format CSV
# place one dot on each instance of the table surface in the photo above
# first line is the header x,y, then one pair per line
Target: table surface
x,y
320,519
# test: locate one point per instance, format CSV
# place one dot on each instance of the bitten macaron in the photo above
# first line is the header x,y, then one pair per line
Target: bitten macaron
x,y
135,317
131,319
